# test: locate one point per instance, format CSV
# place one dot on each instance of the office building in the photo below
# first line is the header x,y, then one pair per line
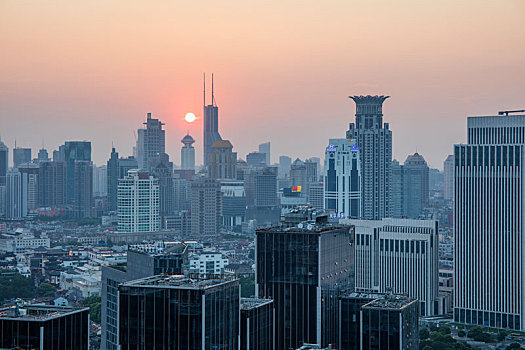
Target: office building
x,y
29,173
321,257
181,193
21,156
316,195
374,141
206,207
399,255
100,181
298,178
162,169
71,152
222,161
448,187
139,265
4,167
416,185
256,159
233,204
138,203
51,184
206,313
211,124
44,327
151,141
43,155
342,179
265,148
112,177
82,204
257,324
397,190
16,195
187,153
489,230
391,322
262,203
285,163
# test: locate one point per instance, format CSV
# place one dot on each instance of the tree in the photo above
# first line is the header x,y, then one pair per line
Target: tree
x,y
462,334
45,290
502,335
444,329
16,286
514,346
94,304
248,286
424,333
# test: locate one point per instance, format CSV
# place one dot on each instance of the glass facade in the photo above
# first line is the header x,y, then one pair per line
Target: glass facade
x,y
257,324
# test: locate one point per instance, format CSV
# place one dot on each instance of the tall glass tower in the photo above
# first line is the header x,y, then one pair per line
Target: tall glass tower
x,y
374,142
211,123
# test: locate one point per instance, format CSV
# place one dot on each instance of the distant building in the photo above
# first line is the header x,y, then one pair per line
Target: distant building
x,y
416,185
374,140
43,155
206,207
207,313
51,184
265,148
21,156
100,181
112,171
391,322
316,195
211,125
44,327
71,152
342,179
448,189
162,169
222,161
285,163
187,153
151,142
16,195
82,203
262,203
256,159
138,203
208,263
257,324
305,296
29,173
233,204
4,167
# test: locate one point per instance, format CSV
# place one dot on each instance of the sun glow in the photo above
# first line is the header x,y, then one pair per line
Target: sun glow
x,y
190,117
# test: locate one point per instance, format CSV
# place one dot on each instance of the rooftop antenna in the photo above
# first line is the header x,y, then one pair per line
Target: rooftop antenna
x,y
204,91
212,97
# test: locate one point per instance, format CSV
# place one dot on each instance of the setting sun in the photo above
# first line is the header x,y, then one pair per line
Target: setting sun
x,y
190,117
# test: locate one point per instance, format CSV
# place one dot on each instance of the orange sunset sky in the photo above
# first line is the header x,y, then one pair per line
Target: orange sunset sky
x,y
91,70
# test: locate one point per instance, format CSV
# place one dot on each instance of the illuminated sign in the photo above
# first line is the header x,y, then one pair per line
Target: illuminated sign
x,y
354,148
337,216
330,148
296,189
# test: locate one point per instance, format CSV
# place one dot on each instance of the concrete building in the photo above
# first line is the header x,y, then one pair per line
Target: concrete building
x,y
187,153
206,207
138,203
374,141
222,161
401,256
489,230
448,188
342,179
151,141
207,263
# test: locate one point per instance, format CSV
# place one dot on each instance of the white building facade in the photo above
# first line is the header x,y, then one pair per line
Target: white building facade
x,y
489,212
138,203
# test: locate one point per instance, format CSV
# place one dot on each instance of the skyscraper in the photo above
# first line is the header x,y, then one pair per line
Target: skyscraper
x,y
303,269
489,207
138,203
448,188
52,184
4,166
256,159
21,156
112,177
43,155
206,207
222,162
284,166
100,181
16,195
416,184
73,151
262,203
397,190
211,123
265,148
342,179
151,142
29,173
187,153
83,204
162,169
374,141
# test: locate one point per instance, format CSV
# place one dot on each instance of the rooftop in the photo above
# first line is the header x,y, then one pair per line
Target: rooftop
x,y
181,282
38,312
390,302
252,303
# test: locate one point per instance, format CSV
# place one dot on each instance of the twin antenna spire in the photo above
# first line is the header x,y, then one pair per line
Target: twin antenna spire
x,y
212,96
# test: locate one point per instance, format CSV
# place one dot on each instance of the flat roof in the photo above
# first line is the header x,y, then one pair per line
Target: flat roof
x,y
180,282
38,312
252,303
390,302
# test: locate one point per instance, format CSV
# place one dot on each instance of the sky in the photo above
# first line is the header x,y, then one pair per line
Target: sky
x,y
91,70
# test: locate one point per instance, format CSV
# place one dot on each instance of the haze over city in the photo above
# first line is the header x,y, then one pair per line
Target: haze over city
x,y
283,70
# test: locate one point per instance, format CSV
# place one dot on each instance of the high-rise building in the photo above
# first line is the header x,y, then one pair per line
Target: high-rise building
x,y
29,173
397,192
21,156
303,269
342,179
162,169
44,327
374,141
233,204
151,142
316,195
285,163
222,161
175,312
51,184
416,183
138,203
112,177
265,148
448,187
187,153
256,159
139,265
83,204
211,124
43,155
181,193
489,230
391,322
399,255
100,181
16,195
206,207
262,203
4,166
71,152
257,324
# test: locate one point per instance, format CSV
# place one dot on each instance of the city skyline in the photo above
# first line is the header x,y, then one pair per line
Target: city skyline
x,y
97,84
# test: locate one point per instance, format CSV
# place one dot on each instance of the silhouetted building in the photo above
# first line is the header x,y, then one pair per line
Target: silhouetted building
x,y
83,204
222,161
374,142
162,169
71,152
21,156
257,324
303,269
44,327
175,312
151,142
211,124
51,184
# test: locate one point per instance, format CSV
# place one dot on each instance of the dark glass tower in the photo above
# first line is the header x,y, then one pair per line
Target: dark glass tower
x,y
113,176
304,269
211,123
257,324
74,151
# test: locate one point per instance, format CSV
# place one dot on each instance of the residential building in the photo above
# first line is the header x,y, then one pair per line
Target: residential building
x,y
206,207
151,142
51,184
207,263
